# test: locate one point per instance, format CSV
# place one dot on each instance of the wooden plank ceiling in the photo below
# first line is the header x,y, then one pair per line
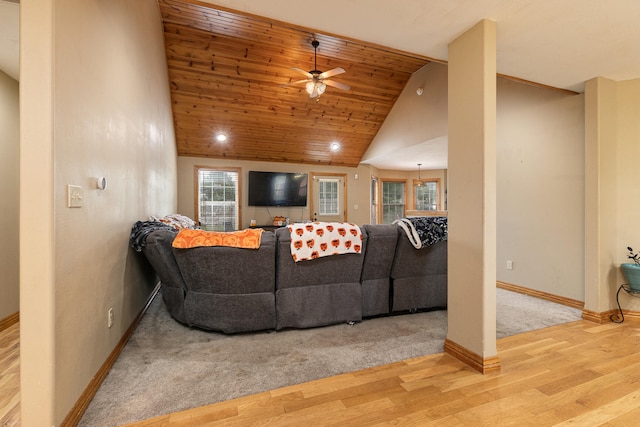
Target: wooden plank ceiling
x,y
226,70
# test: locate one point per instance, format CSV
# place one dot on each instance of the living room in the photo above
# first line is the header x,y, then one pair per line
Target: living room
x,y
112,117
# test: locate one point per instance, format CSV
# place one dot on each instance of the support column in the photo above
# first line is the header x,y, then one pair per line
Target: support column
x,y
472,198
612,195
601,197
37,283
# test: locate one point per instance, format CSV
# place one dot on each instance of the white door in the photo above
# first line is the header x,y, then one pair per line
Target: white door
x,y
328,198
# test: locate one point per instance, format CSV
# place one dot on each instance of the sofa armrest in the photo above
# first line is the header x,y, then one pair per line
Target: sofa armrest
x,y
159,252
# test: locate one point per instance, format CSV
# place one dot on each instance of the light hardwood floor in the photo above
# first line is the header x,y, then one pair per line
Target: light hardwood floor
x,y
10,376
580,373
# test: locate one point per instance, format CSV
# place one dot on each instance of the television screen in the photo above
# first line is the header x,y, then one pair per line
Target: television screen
x,y
277,189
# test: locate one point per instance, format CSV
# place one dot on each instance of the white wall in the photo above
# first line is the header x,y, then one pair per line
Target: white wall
x,y
414,120
540,191
540,174
95,96
9,195
357,189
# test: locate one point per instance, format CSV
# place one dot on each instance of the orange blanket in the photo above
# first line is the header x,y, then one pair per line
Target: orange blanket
x,y
248,238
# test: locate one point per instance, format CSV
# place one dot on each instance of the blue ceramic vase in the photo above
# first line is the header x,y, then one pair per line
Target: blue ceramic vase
x,y
631,272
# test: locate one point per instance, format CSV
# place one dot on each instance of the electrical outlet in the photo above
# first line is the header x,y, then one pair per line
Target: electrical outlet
x,y
509,265
110,318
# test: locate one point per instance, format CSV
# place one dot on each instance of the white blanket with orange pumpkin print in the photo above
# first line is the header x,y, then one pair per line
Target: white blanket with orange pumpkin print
x,y
319,239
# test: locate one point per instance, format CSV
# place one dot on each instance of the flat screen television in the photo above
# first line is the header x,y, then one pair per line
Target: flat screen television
x,y
277,188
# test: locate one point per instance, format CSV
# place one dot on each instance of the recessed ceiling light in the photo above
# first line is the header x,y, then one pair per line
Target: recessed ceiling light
x,y
335,146
221,137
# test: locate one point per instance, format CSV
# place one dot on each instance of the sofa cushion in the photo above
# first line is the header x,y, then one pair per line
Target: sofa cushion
x,y
409,261
419,276
419,292
228,270
344,268
311,306
317,292
231,313
380,250
376,271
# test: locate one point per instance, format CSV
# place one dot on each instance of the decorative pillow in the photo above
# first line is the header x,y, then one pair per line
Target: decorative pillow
x,y
177,221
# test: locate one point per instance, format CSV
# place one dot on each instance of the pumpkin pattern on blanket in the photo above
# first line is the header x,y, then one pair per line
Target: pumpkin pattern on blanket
x,y
247,239
320,239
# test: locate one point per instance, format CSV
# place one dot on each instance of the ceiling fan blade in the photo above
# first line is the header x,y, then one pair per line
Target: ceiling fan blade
x,y
332,73
294,83
336,84
301,71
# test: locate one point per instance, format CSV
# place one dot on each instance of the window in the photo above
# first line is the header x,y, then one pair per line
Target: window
x,y
218,198
328,196
426,196
374,200
393,201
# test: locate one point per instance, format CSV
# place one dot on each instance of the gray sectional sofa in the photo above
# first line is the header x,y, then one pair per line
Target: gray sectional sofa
x,y
239,290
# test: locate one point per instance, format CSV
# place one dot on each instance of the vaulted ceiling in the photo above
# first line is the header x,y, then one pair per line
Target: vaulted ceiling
x,y
227,69
557,44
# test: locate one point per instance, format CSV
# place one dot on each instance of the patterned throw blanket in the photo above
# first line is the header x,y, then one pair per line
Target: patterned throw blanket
x,y
320,239
248,239
141,229
424,230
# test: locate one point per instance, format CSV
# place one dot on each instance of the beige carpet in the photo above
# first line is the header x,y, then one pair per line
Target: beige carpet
x,y
167,367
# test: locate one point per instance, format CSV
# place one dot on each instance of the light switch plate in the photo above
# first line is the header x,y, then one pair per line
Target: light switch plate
x,y
75,196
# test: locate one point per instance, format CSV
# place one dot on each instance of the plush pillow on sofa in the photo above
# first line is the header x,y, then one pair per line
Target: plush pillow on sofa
x,y
177,221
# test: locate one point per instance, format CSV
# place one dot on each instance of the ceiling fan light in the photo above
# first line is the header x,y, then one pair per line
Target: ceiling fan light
x,y
315,88
310,87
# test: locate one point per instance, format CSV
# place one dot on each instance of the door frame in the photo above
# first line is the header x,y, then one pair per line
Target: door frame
x,y
312,180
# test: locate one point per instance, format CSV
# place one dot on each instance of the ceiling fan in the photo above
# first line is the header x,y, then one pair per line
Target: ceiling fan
x,y
317,81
